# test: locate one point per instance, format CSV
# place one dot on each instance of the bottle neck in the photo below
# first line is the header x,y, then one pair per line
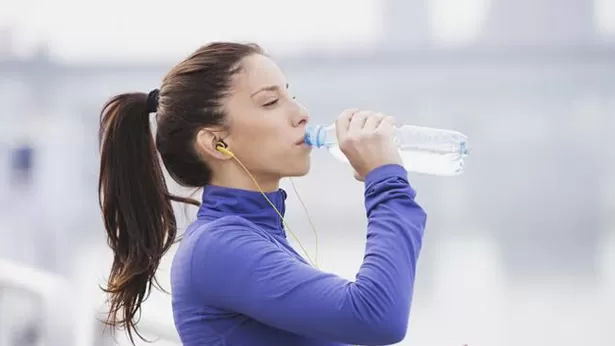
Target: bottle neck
x,y
329,136
320,136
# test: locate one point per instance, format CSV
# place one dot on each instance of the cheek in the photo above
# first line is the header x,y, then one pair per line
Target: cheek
x,y
270,156
258,149
261,142
257,134
248,136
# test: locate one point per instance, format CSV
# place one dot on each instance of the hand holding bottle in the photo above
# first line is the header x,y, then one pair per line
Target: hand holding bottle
x,y
366,139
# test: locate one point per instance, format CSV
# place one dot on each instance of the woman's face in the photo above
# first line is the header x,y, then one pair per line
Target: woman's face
x,y
266,125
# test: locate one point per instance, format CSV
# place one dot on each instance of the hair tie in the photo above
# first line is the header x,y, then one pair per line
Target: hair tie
x,y
152,101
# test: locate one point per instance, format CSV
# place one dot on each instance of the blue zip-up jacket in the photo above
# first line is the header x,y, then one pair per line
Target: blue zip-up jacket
x,y
235,279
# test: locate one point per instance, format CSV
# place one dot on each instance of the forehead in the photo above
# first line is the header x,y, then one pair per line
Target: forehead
x,y
258,71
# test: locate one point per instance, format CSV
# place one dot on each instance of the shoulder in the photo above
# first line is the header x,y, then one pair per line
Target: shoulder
x,y
217,254
225,230
224,241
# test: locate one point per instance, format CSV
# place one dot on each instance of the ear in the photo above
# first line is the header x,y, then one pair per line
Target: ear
x,y
206,142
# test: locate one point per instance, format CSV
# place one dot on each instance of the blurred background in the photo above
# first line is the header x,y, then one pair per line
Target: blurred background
x,y
519,250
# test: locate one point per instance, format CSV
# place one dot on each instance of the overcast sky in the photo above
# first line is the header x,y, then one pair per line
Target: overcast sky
x,y
156,29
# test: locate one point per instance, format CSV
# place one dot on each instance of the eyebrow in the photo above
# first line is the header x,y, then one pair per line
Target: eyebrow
x,y
268,88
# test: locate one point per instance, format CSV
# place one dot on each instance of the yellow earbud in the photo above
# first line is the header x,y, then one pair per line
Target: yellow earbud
x,y
222,147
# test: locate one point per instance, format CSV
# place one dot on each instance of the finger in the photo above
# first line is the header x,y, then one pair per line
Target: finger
x,y
373,121
342,122
358,121
387,124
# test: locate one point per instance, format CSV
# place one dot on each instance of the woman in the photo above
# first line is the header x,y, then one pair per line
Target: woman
x,y
224,116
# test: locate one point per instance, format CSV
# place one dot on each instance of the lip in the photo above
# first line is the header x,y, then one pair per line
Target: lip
x,y
300,142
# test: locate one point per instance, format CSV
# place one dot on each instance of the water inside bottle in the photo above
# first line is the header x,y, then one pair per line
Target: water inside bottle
x,y
443,163
422,150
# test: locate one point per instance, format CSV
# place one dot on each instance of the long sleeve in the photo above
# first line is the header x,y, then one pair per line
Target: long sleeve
x,y
243,271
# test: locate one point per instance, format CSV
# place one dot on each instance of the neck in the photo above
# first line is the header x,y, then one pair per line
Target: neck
x,y
242,180
220,201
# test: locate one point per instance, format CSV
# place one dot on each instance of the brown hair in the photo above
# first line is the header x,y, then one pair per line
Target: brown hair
x,y
133,194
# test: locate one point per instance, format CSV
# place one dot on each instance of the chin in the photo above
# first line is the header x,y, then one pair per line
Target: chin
x,y
298,170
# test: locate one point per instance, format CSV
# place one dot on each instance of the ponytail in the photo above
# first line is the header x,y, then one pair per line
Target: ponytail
x,y
135,204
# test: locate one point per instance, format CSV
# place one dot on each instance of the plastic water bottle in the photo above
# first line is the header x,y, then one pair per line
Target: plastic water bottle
x,y
422,149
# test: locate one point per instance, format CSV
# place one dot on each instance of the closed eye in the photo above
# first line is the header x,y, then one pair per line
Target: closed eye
x,y
272,103
268,104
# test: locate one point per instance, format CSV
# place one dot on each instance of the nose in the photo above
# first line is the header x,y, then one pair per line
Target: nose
x,y
301,116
